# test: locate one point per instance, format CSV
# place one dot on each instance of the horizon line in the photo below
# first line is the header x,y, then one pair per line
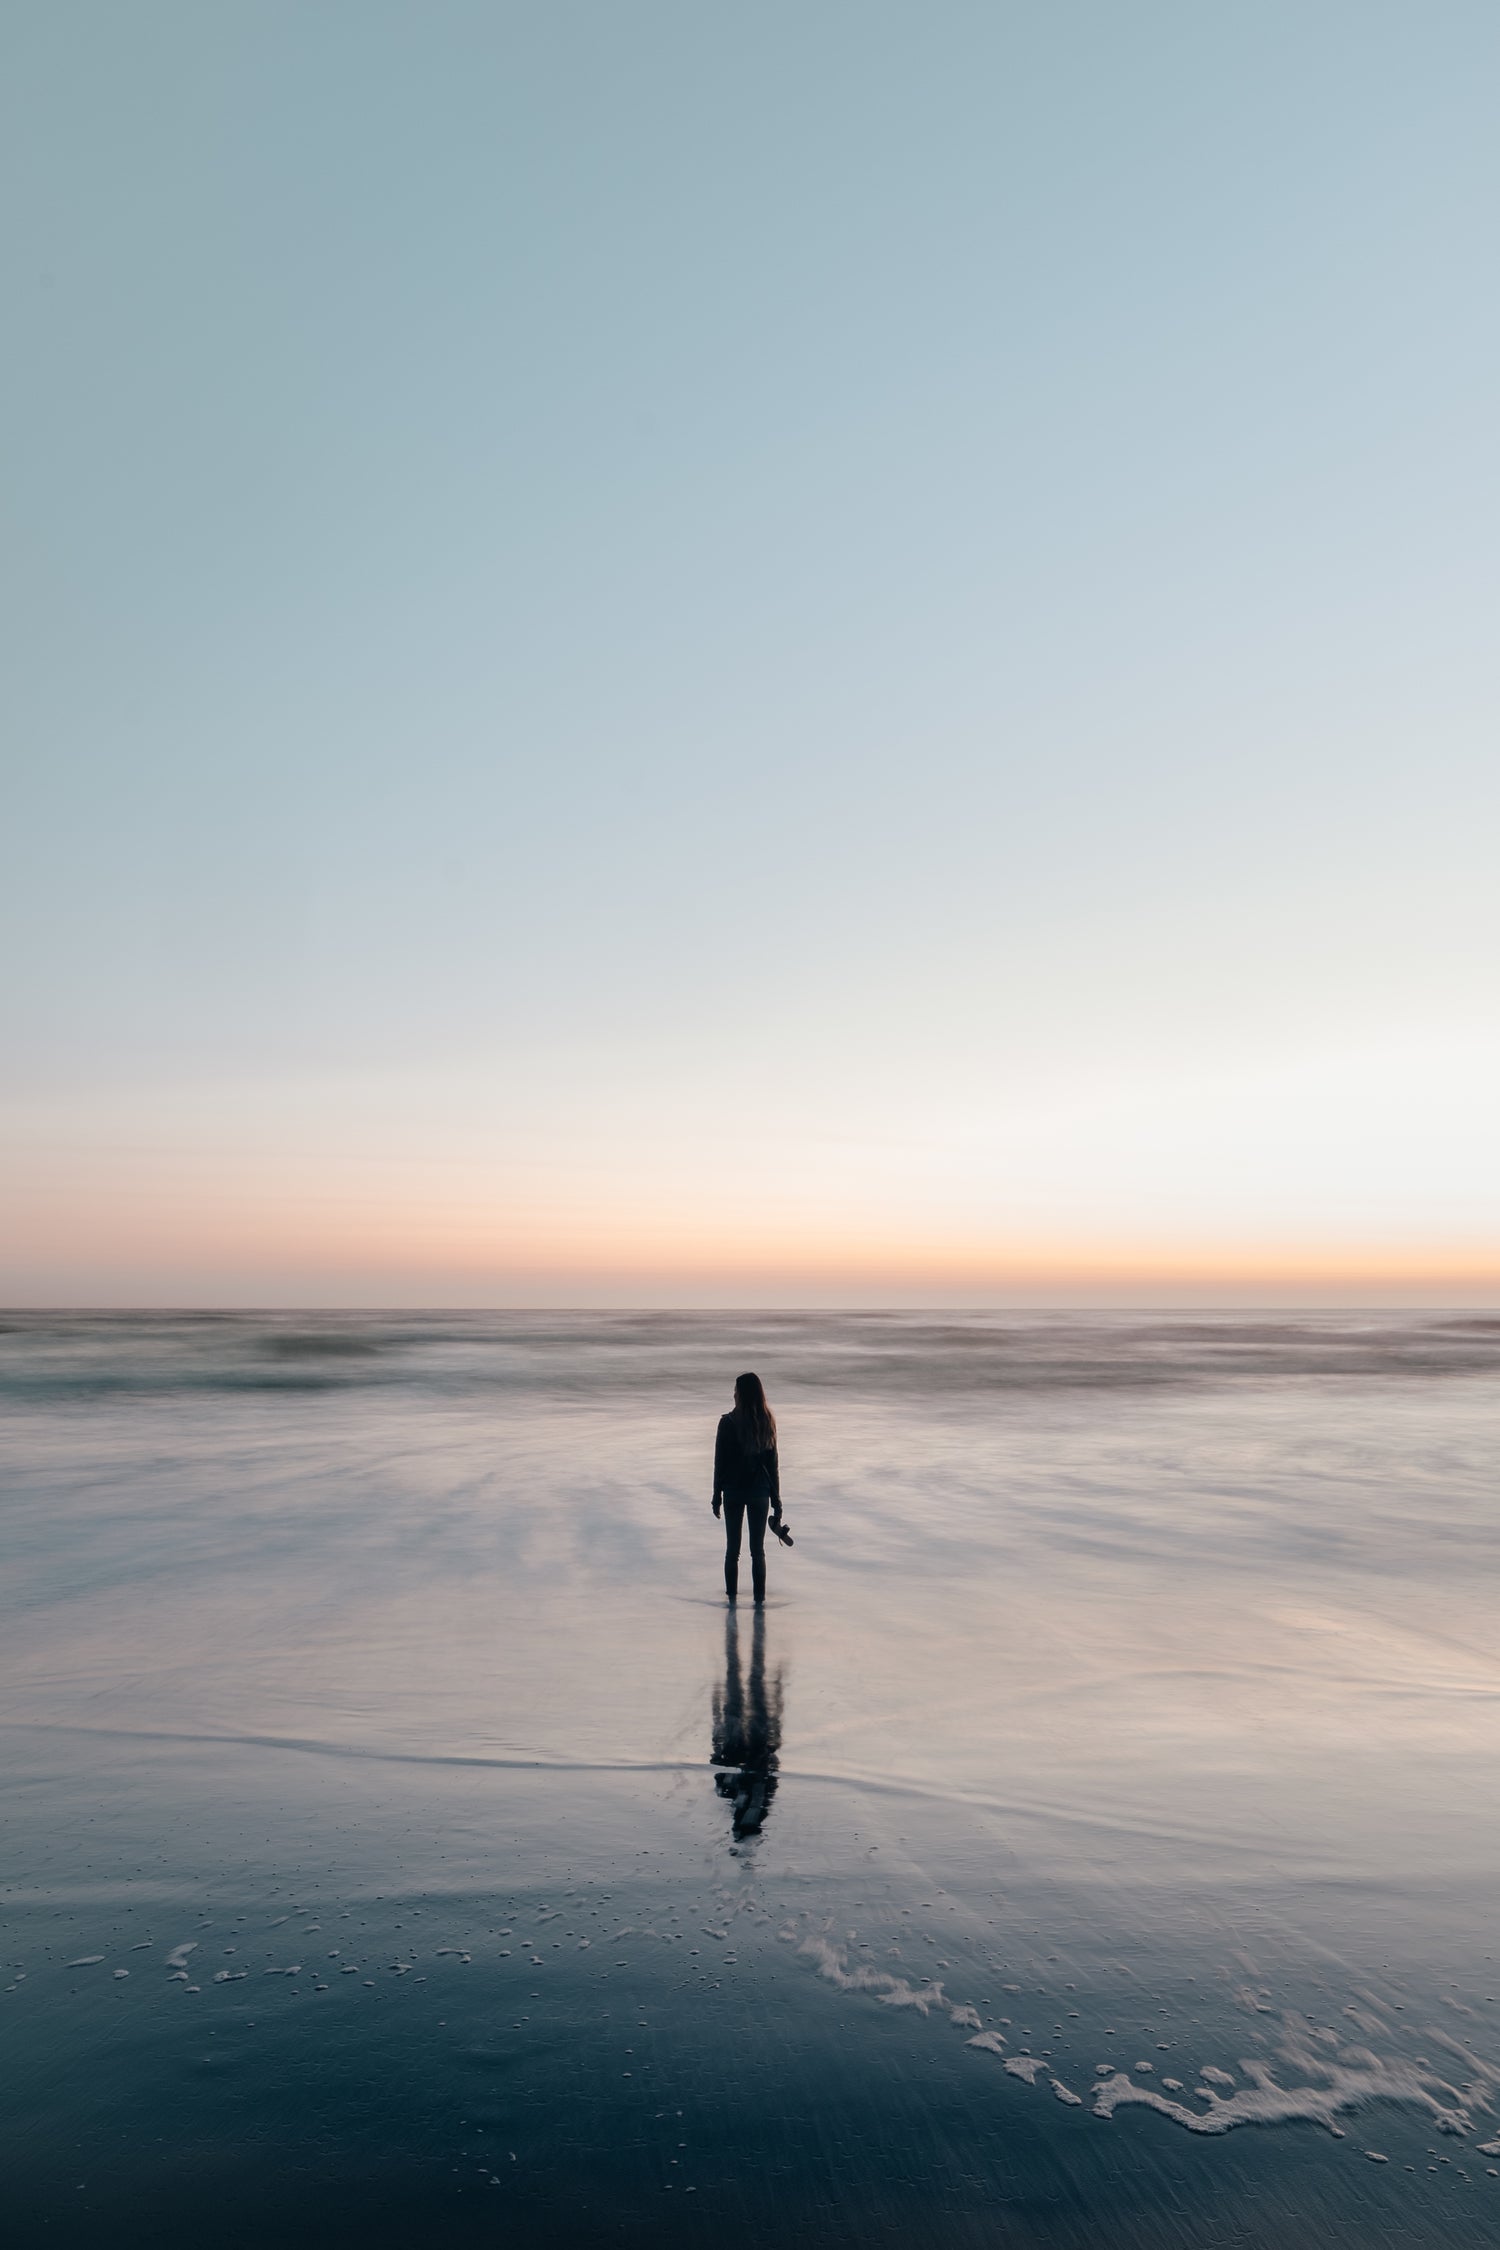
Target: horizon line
x,y
228,1307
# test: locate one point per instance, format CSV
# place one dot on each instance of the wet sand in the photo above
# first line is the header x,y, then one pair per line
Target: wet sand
x,y
1092,1843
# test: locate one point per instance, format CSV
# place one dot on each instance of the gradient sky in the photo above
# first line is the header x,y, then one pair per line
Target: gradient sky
x,y
823,652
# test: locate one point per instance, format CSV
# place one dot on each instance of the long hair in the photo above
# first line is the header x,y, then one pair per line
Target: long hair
x,y
753,1419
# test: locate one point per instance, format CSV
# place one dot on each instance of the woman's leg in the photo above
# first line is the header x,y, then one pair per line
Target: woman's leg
x,y
734,1520
758,1511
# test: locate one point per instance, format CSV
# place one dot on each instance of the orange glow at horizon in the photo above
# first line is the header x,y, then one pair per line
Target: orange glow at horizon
x,y
421,1251
1364,1180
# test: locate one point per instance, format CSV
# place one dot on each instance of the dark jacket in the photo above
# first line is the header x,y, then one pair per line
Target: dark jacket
x,y
739,1475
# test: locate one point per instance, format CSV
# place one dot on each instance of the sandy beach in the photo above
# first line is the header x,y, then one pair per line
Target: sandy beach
x,y
1093,1833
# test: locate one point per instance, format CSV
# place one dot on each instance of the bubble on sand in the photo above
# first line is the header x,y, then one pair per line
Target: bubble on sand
x,y
966,2018
121,1973
177,1958
1216,2077
1025,2066
1066,2094
1375,2156
86,1961
991,2042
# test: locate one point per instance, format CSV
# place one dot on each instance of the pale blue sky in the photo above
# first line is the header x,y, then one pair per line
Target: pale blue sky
x,y
851,618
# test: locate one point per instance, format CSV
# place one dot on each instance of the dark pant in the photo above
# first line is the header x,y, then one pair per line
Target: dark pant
x,y
735,1512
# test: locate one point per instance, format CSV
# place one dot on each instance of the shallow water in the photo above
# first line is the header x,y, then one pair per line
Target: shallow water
x,y
1093,1843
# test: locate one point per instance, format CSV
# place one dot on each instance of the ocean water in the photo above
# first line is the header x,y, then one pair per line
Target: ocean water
x,y
1094,1841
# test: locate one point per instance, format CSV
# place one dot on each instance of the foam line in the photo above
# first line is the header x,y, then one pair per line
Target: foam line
x,y
1244,1847
1264,2102
893,1992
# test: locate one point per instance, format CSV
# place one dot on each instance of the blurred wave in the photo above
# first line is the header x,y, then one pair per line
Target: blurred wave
x,y
48,1356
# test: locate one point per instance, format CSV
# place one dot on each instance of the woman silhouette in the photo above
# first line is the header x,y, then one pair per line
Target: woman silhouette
x,y
747,1482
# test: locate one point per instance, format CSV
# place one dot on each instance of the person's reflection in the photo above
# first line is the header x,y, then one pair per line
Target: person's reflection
x,y
747,1730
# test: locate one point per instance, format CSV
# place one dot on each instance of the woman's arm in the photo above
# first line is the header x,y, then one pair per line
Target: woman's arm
x,y
719,1450
774,1466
